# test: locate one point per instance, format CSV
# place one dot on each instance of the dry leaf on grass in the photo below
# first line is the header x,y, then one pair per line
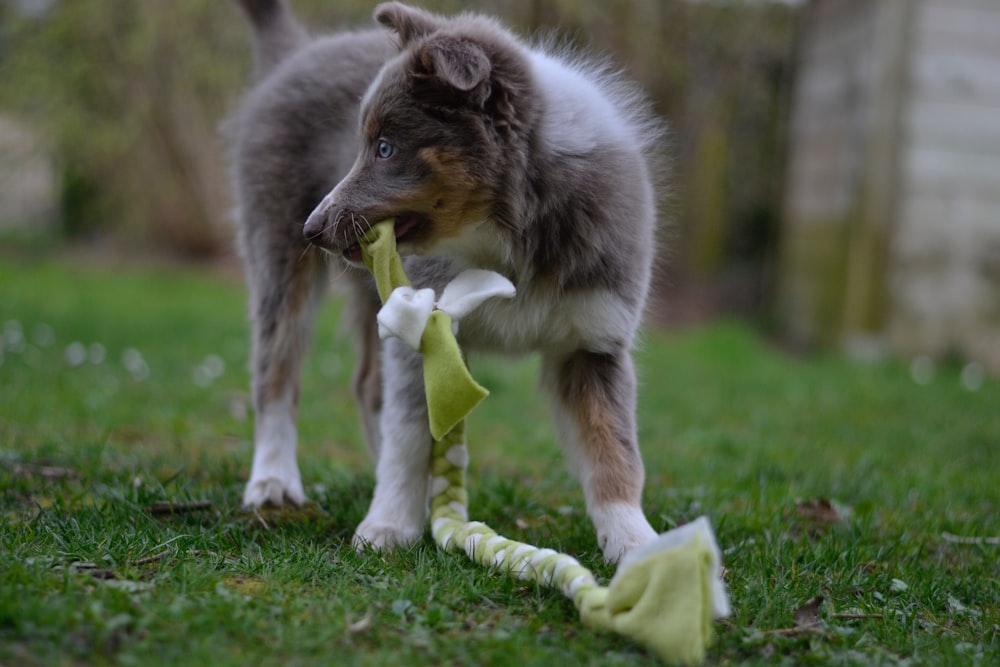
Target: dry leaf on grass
x,y
822,510
807,621
807,616
816,516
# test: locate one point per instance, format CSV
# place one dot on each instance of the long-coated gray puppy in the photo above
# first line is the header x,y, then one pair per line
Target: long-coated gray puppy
x,y
489,153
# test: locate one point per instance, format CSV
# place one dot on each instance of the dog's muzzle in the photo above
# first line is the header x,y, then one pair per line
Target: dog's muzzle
x,y
333,228
316,224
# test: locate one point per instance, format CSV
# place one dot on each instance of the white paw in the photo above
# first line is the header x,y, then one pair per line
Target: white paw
x,y
620,528
380,535
274,477
274,490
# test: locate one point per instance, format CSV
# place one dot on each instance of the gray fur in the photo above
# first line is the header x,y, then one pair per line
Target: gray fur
x,y
279,33
479,175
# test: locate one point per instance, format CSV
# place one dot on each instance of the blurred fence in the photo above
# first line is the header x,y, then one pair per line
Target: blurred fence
x,y
129,96
892,212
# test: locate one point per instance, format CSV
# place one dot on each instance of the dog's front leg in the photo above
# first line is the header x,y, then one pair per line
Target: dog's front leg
x,y
594,397
398,512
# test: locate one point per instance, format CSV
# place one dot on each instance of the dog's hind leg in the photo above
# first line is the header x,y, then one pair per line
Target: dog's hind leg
x,y
595,418
286,284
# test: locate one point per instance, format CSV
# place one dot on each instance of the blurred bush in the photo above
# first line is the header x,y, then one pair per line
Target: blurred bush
x,y
130,96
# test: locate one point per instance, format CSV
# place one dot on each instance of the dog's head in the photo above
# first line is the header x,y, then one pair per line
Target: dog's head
x,y
440,125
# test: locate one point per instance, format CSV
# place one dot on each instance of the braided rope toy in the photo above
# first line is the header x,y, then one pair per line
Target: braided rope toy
x,y
664,595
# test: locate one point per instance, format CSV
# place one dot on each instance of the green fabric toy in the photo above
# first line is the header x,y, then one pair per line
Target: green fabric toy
x,y
664,595
427,326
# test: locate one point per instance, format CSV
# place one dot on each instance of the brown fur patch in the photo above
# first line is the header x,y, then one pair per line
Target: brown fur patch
x,y
616,475
286,341
588,386
454,195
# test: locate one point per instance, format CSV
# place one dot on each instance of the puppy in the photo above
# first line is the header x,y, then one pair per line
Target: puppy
x,y
489,153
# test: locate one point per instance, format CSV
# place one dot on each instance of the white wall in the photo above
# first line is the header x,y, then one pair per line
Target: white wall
x,y
945,252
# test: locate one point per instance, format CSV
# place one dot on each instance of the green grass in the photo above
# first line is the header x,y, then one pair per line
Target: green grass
x,y
730,427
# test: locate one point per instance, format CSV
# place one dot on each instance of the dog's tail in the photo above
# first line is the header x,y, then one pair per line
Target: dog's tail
x,y
277,33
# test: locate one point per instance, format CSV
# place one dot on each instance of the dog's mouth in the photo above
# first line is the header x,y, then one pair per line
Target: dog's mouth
x,y
407,227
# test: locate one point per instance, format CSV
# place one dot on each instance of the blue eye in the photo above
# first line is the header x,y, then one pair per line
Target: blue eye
x,y
384,149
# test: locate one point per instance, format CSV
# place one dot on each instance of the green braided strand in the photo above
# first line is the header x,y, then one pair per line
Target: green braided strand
x,y
454,532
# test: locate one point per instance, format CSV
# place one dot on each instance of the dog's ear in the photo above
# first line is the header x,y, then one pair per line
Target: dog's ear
x,y
409,22
453,61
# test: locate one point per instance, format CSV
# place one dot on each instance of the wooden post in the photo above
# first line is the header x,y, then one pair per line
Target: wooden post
x,y
864,311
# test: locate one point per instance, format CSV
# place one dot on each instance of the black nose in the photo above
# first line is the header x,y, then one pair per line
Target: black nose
x,y
315,224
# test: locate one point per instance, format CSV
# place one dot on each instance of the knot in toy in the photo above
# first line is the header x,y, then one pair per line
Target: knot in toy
x,y
406,312
428,325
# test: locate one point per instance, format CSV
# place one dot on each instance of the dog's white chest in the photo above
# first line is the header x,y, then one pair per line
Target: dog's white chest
x,y
537,321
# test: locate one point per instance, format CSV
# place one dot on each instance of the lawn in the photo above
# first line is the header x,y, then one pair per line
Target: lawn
x,y
124,389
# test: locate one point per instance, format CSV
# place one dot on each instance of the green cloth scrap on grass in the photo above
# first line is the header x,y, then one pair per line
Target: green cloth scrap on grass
x,y
663,601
